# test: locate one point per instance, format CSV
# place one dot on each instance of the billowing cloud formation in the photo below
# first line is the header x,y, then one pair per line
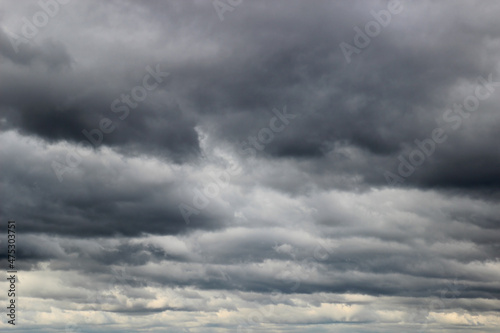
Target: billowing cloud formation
x,y
197,166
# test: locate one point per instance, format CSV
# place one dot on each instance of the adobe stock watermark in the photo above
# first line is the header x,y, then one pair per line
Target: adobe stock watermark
x,y
121,106
426,147
452,291
221,180
31,27
222,6
372,29
117,285
320,253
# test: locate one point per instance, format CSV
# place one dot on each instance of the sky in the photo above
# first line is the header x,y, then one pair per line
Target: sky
x,y
251,166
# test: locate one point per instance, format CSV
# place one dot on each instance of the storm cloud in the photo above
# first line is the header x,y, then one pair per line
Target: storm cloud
x,y
237,166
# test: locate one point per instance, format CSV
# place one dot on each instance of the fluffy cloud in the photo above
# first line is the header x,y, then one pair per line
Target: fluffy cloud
x,y
172,171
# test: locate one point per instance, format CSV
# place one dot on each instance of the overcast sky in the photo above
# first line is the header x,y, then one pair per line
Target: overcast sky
x,y
252,166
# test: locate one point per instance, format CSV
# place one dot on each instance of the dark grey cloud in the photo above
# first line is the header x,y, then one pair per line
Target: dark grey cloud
x,y
104,206
239,69
277,145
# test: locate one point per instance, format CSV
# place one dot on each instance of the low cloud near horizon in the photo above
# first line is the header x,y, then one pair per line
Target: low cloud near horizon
x,y
252,166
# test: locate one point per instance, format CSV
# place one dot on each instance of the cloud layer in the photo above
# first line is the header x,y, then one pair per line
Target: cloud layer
x,y
189,166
